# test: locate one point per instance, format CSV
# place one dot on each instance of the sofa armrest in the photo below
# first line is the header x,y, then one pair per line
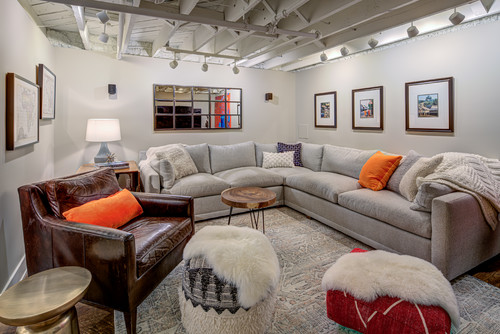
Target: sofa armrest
x,y
164,205
461,237
150,179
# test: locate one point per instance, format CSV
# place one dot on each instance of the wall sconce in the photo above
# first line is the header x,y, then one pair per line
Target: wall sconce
x,y
269,96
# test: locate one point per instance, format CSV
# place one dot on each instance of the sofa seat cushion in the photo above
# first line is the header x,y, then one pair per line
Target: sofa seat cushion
x,y
322,184
388,207
285,172
198,185
155,237
250,177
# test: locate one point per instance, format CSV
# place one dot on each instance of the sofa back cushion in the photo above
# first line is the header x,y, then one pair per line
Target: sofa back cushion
x,y
312,155
344,160
411,158
224,157
200,155
260,148
68,192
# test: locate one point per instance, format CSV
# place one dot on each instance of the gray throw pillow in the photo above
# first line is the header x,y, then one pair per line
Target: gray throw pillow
x,y
426,193
424,166
404,166
167,173
312,155
180,160
261,148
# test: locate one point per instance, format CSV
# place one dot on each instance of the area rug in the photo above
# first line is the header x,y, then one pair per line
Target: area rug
x,y
306,248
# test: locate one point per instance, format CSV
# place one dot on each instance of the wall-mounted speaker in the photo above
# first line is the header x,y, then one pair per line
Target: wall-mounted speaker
x,y
269,96
111,89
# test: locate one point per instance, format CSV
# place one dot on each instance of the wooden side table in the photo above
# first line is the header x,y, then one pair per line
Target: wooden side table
x,y
253,198
45,302
132,171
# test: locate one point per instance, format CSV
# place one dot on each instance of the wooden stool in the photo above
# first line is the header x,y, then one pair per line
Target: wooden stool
x,y
45,302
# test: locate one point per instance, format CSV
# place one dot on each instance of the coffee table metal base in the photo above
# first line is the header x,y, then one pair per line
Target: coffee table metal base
x,y
254,218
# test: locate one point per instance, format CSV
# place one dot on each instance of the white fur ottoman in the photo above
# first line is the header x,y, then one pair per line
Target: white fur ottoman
x,y
230,280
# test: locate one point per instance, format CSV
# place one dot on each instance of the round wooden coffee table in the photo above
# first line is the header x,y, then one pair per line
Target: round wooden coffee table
x,y
45,302
252,198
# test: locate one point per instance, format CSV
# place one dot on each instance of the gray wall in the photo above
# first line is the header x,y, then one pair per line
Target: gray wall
x,y
470,55
20,53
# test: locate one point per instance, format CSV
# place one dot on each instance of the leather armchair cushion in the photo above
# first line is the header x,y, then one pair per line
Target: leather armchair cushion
x,y
66,193
155,237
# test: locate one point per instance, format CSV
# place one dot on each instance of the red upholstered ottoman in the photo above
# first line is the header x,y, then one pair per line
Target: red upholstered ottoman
x,y
388,298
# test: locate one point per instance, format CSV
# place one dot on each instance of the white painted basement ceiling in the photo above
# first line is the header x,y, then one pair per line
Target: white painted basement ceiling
x,y
269,34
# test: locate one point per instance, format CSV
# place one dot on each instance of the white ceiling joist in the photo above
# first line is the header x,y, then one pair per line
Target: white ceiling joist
x,y
186,6
79,13
128,26
180,17
166,32
238,9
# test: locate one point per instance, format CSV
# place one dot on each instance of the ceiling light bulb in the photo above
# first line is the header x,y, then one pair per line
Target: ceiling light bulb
x,y
344,51
412,31
103,16
372,43
236,70
173,64
204,67
323,57
456,18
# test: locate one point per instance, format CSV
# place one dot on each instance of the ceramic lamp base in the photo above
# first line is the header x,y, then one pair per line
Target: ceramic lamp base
x,y
103,154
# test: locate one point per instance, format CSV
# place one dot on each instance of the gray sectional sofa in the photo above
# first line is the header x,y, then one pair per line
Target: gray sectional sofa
x,y
454,235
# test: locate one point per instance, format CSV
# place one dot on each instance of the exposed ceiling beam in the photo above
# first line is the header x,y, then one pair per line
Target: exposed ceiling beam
x,y
119,39
180,17
27,7
237,9
79,13
166,32
186,6
399,16
202,35
128,25
206,54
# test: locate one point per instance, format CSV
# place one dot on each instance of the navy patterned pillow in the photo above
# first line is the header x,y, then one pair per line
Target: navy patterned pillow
x,y
296,148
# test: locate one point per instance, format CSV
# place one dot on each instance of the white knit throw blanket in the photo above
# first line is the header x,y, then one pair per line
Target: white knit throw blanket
x,y
472,174
370,275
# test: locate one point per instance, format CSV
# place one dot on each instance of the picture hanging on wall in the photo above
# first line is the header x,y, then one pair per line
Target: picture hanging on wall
x,y
22,110
325,110
367,108
46,79
429,105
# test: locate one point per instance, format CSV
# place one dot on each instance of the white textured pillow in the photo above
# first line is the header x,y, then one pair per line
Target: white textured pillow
x,y
276,160
424,166
180,160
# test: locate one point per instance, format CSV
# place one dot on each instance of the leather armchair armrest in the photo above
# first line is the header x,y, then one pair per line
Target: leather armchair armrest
x,y
163,205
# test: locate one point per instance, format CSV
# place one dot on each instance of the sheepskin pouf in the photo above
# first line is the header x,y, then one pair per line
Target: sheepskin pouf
x,y
378,292
230,279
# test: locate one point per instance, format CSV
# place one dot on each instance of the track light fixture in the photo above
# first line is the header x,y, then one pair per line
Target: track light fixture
x,y
174,63
103,16
372,43
236,70
412,31
103,37
204,67
323,56
457,17
344,51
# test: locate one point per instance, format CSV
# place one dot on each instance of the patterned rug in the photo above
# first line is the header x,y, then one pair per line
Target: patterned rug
x,y
306,249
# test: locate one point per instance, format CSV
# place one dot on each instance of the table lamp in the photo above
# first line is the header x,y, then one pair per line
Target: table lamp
x,y
103,130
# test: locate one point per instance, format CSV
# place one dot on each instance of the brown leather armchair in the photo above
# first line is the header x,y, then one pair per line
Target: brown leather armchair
x,y
126,263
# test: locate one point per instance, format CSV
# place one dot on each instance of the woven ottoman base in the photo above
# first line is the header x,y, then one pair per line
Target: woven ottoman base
x,y
252,321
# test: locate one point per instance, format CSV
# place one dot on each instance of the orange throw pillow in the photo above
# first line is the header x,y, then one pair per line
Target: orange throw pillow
x,y
377,170
112,211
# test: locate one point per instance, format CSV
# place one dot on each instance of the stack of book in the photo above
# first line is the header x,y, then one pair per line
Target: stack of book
x,y
114,164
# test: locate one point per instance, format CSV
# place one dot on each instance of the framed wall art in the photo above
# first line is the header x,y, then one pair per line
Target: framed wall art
x,y
429,105
367,108
22,112
325,110
46,80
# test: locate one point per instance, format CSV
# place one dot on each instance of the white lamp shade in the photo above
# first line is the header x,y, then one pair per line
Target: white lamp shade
x,y
103,130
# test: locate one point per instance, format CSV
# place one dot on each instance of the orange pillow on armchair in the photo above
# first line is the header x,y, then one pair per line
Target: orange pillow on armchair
x,y
112,211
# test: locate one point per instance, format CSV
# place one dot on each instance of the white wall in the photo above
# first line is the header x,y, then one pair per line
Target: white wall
x,y
20,53
471,56
82,93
